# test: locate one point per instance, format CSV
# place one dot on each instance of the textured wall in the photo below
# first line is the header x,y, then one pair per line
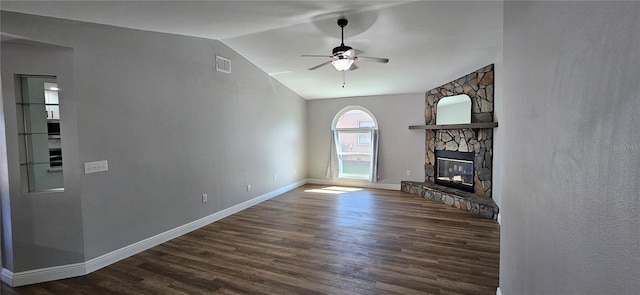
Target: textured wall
x,y
479,87
570,200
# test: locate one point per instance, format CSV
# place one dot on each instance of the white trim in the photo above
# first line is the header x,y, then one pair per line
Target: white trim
x,y
7,277
135,248
356,183
79,269
355,130
43,274
499,219
498,290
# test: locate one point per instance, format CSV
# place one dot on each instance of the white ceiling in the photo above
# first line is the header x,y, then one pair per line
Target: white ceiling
x,y
428,42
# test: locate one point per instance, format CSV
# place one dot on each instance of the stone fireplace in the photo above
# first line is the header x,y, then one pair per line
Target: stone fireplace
x,y
458,158
479,87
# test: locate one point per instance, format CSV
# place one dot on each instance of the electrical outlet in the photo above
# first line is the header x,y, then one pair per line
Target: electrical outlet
x,y
294,171
408,172
275,176
248,187
204,198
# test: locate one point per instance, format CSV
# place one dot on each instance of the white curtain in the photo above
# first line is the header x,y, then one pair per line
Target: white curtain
x,y
374,156
332,168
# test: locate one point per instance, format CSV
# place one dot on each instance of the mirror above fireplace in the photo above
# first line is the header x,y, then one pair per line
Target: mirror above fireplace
x,y
454,110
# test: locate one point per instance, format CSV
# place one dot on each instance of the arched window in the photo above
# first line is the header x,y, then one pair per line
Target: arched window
x,y
355,136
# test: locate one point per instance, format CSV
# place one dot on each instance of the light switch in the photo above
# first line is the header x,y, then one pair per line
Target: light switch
x,y
93,167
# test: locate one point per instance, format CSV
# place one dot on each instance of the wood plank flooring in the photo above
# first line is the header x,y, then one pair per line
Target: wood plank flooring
x,y
308,242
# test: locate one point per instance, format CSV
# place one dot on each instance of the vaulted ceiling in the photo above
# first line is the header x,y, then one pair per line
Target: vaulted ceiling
x,y
428,42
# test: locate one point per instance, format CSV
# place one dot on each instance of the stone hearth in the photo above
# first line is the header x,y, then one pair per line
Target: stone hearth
x,y
473,203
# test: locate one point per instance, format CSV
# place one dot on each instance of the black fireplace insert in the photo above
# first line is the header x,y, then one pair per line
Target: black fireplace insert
x,y
455,170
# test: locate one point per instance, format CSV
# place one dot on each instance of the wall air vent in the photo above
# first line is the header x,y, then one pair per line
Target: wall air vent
x,y
223,64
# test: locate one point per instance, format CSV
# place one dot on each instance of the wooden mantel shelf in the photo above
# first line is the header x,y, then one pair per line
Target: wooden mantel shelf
x,y
456,126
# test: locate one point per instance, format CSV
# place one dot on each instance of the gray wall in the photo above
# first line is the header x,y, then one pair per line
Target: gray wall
x,y
171,127
570,201
400,149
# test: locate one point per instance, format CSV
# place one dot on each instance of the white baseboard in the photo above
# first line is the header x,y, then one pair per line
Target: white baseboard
x,y
355,183
7,277
79,269
122,253
498,290
42,275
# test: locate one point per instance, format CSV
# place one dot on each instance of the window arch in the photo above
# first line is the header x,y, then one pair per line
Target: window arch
x,y
345,117
355,137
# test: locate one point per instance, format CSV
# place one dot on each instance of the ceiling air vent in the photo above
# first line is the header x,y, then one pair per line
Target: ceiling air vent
x,y
223,64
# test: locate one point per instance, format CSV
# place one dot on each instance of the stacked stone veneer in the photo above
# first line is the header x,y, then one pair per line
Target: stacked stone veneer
x,y
479,87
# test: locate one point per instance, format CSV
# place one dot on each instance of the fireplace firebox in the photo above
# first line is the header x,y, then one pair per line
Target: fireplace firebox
x,y
454,169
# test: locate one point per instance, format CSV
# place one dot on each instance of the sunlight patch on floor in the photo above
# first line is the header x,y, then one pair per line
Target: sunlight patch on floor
x,y
343,188
324,191
334,190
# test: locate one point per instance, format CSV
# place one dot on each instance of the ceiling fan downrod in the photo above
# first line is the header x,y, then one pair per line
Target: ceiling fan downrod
x,y
342,23
342,48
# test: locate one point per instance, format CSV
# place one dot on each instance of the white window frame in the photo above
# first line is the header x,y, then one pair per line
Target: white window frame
x,y
358,132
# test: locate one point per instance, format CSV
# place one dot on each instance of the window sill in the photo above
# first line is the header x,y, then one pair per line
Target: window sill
x,y
353,177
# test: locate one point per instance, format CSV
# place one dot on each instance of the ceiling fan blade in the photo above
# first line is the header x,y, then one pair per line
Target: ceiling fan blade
x,y
315,67
357,52
350,53
375,59
315,55
353,67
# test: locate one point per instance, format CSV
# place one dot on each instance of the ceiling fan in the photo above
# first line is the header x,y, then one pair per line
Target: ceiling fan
x,y
343,57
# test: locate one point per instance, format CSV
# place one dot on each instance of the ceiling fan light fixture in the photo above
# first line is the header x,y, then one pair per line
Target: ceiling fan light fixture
x,y
342,64
343,56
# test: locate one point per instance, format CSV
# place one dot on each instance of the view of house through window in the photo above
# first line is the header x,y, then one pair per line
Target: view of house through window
x,y
354,131
38,113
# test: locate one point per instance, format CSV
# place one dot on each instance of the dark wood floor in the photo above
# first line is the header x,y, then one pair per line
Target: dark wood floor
x,y
302,242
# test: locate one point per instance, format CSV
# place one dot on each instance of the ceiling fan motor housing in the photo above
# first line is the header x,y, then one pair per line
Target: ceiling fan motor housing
x,y
341,49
